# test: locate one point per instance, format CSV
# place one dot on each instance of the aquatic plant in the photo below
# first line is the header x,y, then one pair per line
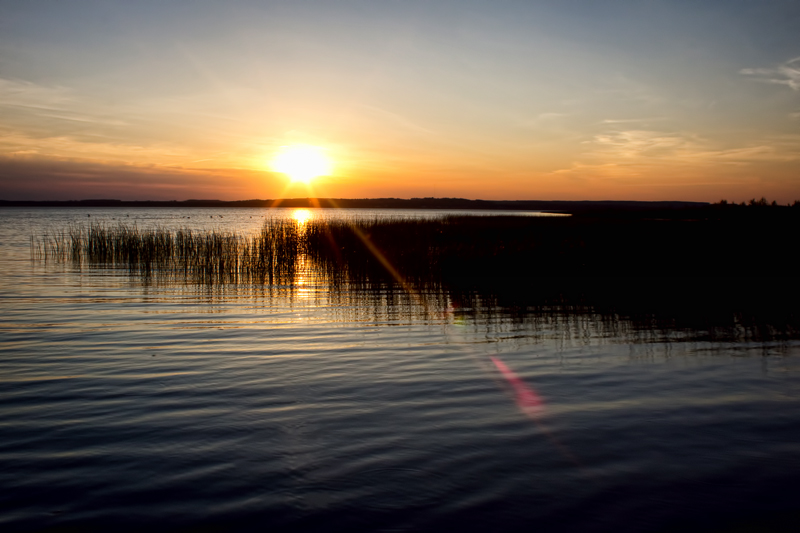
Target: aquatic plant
x,y
431,251
693,269
212,257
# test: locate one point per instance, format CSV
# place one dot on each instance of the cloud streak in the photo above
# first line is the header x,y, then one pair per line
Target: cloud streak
x,y
787,74
27,94
638,158
36,178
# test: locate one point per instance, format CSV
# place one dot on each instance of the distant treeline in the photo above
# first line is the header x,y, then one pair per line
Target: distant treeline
x,y
763,202
572,207
593,209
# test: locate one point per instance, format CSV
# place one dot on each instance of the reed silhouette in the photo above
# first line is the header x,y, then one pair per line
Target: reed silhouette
x,y
212,257
722,270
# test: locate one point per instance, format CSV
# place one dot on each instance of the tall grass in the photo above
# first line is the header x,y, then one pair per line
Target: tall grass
x,y
423,251
356,250
689,272
209,257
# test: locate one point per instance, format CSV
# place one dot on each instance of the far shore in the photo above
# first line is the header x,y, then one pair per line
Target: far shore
x,y
607,209
558,206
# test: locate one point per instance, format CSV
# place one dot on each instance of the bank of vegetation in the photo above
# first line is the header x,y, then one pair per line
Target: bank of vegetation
x,y
693,268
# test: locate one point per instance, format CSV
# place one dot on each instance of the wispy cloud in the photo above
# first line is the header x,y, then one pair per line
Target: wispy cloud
x,y
549,116
622,155
25,104
64,122
669,148
32,177
15,143
542,120
27,94
787,73
772,150
631,120
396,119
633,144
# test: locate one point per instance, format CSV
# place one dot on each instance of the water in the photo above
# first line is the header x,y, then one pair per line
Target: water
x,y
126,403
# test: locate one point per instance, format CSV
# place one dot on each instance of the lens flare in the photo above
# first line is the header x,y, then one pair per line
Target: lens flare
x,y
527,400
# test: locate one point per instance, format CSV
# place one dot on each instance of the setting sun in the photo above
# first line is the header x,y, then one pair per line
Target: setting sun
x,y
302,162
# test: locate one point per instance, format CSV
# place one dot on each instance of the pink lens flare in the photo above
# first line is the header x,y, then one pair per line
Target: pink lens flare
x,y
527,400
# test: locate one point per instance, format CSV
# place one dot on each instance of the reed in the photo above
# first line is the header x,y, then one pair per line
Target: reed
x,y
213,257
695,274
692,269
425,251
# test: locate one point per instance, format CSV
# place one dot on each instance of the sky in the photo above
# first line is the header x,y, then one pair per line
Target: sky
x,y
550,100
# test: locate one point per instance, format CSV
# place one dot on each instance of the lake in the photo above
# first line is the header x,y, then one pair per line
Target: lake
x,y
133,403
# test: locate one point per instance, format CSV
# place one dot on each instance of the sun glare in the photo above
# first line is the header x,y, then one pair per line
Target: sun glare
x,y
301,216
302,162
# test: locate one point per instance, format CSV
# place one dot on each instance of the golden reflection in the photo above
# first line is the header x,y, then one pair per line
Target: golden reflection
x,y
301,216
303,289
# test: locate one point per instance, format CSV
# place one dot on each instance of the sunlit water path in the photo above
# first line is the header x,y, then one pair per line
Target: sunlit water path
x,y
127,403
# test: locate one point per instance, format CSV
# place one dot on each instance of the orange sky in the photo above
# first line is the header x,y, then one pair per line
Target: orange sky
x,y
485,100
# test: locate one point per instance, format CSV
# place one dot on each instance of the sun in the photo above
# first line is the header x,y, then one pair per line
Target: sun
x,y
302,162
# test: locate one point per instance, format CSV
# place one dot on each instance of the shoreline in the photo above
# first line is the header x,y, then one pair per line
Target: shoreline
x,y
379,203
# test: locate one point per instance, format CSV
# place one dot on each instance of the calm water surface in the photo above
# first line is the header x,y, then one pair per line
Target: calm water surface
x,y
128,404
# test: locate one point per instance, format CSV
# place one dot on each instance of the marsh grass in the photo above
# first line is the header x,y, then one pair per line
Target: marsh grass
x,y
425,251
207,257
685,273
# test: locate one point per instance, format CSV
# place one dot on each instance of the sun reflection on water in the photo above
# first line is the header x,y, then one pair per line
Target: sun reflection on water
x,y
302,216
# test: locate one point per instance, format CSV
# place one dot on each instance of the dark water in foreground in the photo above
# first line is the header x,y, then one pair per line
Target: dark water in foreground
x,y
127,404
